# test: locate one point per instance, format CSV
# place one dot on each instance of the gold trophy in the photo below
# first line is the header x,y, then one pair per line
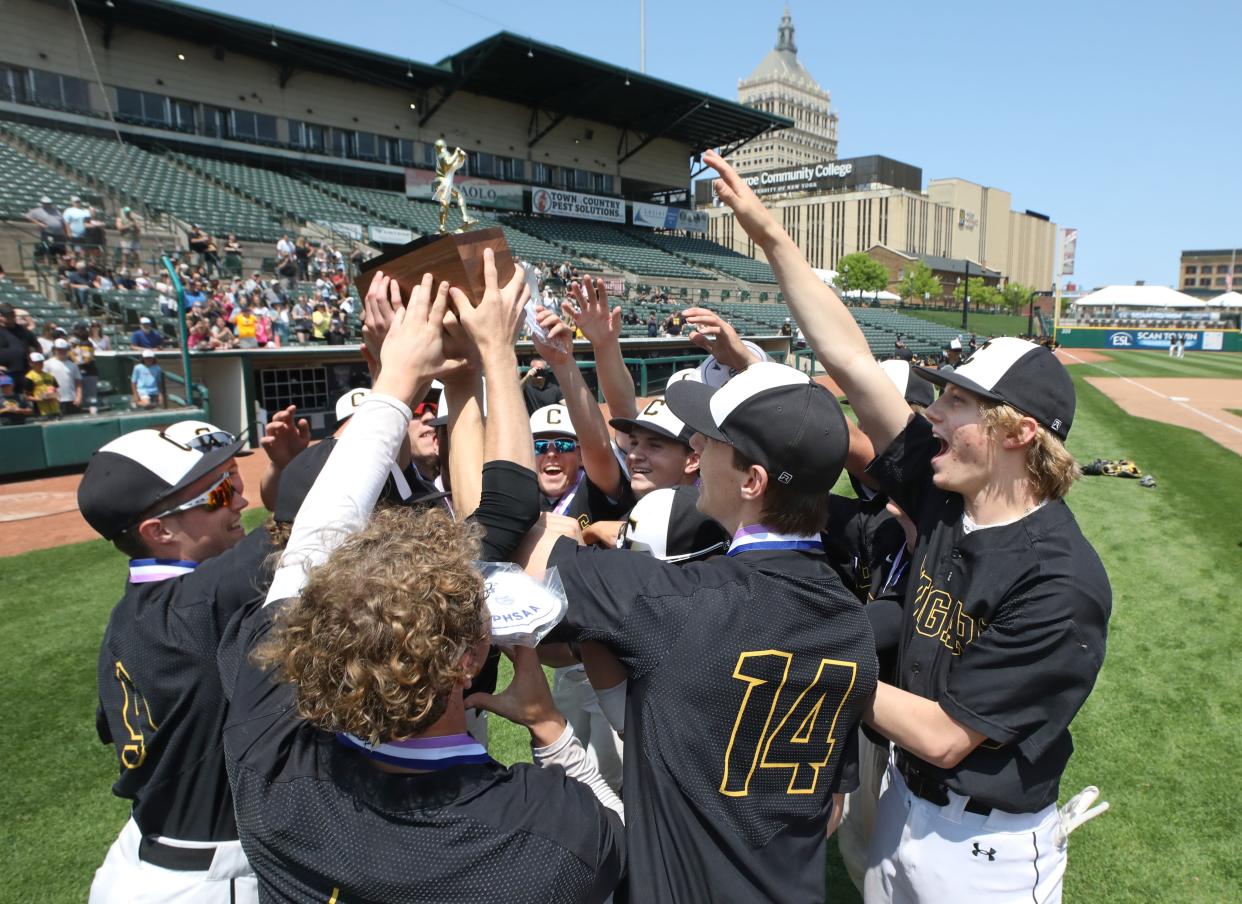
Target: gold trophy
x,y
453,256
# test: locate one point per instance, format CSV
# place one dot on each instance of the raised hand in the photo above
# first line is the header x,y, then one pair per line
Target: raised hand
x,y
716,336
378,311
749,211
587,304
413,351
558,348
284,438
494,324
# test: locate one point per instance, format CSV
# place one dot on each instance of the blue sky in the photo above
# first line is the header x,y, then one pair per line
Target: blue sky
x,y
1123,119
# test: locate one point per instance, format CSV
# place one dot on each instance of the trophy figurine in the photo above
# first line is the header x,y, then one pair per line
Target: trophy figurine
x,y
455,257
447,166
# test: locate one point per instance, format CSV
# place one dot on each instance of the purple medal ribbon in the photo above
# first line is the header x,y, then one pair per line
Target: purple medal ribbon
x,y
422,753
148,571
754,537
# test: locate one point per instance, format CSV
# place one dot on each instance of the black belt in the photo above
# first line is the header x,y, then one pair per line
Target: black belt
x,y
929,789
186,860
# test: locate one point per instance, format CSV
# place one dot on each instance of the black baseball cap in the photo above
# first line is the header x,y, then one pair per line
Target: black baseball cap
x,y
1019,373
657,417
668,524
913,388
136,472
777,417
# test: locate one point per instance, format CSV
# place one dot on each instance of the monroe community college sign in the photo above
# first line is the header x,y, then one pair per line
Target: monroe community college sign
x,y
574,204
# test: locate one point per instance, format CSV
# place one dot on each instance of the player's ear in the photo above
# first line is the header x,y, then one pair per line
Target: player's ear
x,y
692,462
755,484
155,532
1022,435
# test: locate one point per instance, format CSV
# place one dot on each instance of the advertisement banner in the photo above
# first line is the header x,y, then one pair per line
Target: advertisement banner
x,y
353,230
657,216
389,235
1153,339
479,192
1069,243
574,204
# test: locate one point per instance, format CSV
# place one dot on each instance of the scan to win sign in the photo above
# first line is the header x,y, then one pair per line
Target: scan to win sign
x,y
574,204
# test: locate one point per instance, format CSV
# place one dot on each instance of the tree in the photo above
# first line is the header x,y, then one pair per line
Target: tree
x,y
981,294
918,282
1015,296
861,272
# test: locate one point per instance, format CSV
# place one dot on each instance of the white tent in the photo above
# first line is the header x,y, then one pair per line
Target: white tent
x,y
860,295
828,276
1150,297
1227,300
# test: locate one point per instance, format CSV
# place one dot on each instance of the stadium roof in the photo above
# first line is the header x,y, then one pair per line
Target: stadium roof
x,y
549,79
1138,297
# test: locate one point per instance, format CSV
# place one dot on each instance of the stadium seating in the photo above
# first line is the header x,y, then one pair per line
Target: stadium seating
x,y
153,180
23,181
705,253
282,193
613,246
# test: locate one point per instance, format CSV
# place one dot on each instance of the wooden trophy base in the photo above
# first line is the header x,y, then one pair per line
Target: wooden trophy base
x,y
456,258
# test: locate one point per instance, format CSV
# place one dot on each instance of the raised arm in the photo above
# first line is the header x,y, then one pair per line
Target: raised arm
x,y
828,326
601,465
588,306
344,494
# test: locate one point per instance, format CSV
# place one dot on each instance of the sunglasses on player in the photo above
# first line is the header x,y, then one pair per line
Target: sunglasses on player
x,y
425,407
563,446
217,497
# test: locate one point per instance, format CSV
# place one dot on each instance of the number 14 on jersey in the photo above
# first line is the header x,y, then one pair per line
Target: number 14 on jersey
x,y
800,737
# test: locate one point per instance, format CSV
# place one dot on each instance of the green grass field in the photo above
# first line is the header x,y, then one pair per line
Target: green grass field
x,y
1159,736
981,324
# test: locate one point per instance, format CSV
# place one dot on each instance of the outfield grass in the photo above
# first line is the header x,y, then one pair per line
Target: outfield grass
x,y
1219,365
980,324
1159,736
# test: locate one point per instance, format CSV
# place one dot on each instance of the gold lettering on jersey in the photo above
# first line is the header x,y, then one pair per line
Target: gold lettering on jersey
x,y
134,708
937,614
801,740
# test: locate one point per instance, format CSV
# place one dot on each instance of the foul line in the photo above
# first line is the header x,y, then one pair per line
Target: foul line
x,y
1156,392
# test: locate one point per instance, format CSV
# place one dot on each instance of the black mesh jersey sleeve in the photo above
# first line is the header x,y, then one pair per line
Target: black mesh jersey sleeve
x,y
508,508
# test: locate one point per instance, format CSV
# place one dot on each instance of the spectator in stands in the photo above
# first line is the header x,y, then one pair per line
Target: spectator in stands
x,y
222,335
68,377
197,240
232,256
167,300
146,336
300,318
302,252
973,345
96,237
338,333
787,327
194,294
14,406
539,386
129,227
287,270
674,324
284,247
952,356
357,258
147,382
52,232
51,332
198,336
320,321
79,281
900,350
280,322
263,327
653,326
632,318
75,216
82,351
41,386
16,343
99,341
245,324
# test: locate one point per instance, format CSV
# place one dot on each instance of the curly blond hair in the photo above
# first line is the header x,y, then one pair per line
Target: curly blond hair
x,y
1049,465
375,642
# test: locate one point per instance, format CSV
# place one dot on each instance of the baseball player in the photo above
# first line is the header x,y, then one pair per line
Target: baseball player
x,y
347,790
171,501
748,671
1006,609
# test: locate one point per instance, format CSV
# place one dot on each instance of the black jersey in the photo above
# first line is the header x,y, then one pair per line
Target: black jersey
x,y
590,504
160,701
319,821
748,676
1006,630
863,542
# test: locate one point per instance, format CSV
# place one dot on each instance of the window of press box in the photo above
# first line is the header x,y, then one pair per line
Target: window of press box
x,y
62,91
14,84
259,126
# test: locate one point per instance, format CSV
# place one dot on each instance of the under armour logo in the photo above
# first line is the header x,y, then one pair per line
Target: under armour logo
x,y
785,477
990,853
